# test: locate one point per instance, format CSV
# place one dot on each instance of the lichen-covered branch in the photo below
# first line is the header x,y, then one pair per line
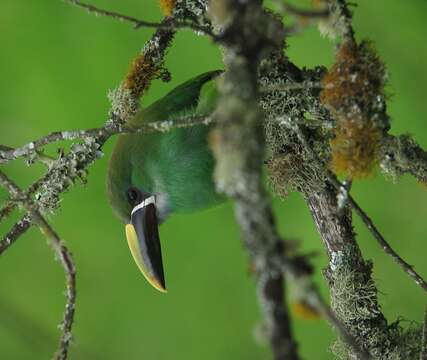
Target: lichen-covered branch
x,y
298,162
353,292
101,133
17,230
63,255
402,155
348,274
239,148
6,209
407,268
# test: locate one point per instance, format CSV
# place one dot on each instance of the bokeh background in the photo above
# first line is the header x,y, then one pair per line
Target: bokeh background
x,y
56,66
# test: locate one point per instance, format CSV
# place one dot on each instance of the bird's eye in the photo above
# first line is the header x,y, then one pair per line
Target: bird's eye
x,y
133,195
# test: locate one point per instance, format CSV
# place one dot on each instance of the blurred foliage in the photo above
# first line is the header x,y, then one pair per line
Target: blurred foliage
x,y
56,66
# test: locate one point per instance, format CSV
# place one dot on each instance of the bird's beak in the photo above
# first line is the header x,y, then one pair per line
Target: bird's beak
x,y
142,234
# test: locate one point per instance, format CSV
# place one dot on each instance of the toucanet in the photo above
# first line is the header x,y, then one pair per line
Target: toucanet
x,y
152,175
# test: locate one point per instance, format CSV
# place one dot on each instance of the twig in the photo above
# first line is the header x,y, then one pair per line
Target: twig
x,y
102,132
63,255
6,209
17,230
10,205
66,260
32,333
409,269
101,12
137,23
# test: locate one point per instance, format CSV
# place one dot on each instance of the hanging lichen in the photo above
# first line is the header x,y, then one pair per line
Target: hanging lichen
x,y
353,92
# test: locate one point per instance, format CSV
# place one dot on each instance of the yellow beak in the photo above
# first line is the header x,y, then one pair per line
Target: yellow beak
x,y
140,257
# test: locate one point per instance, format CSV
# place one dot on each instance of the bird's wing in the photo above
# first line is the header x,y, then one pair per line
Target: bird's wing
x,y
183,98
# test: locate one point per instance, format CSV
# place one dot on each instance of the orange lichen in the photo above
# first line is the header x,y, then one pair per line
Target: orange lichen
x,y
354,148
167,6
354,81
141,72
352,92
304,311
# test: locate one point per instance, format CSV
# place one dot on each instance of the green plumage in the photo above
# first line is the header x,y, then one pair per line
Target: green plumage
x,y
177,165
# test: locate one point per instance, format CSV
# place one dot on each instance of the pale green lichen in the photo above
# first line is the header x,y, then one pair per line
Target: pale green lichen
x,y
65,172
292,165
403,155
354,298
123,104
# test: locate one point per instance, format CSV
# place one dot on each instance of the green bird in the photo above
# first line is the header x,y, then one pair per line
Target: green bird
x,y
153,175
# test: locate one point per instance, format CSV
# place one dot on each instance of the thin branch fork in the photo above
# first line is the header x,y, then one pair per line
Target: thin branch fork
x,y
21,226
407,268
137,23
154,50
64,256
362,214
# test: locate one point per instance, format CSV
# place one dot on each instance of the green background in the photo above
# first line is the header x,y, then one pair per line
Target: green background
x,y
56,66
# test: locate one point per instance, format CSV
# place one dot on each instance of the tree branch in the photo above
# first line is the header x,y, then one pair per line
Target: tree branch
x,y
359,211
238,148
353,293
17,230
114,15
407,268
6,209
63,255
137,23
401,154
102,133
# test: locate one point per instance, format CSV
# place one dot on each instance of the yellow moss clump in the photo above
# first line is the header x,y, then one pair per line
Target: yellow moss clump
x,y
353,93
167,6
141,72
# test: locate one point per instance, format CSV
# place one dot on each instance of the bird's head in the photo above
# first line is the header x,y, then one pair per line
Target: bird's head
x,y
141,211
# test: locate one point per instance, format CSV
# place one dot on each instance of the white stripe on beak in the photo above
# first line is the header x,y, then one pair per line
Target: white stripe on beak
x,y
144,203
